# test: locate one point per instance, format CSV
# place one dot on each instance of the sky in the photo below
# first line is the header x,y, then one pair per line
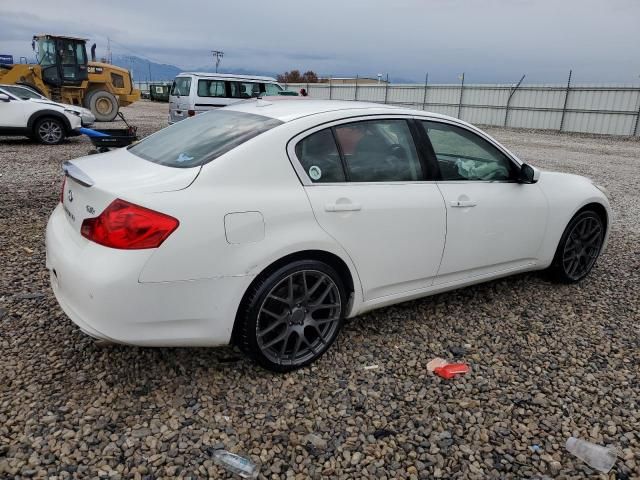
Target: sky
x,y
491,41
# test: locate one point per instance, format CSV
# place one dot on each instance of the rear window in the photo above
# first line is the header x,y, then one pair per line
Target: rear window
x,y
181,86
200,139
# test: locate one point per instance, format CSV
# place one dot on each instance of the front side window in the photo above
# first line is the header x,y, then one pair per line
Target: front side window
x,y
272,89
379,151
181,86
203,138
463,155
211,88
319,157
244,89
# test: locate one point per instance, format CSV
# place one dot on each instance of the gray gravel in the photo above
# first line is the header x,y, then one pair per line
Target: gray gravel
x,y
548,362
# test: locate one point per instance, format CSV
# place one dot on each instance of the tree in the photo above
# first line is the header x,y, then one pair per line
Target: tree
x,y
294,76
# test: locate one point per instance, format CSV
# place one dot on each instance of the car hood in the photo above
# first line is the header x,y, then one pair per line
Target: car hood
x,y
120,171
63,106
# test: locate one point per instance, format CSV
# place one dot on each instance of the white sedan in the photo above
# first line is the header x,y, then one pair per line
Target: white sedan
x,y
266,223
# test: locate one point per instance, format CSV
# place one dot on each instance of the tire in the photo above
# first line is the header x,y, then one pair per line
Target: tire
x,y
279,324
579,247
49,131
86,101
103,105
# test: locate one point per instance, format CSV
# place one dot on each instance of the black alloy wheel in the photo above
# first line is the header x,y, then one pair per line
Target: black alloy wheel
x,y
579,247
292,316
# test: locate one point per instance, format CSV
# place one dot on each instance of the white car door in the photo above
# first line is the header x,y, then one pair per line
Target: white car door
x,y
494,223
12,112
366,184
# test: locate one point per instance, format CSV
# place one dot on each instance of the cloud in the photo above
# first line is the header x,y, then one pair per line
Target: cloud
x,y
490,40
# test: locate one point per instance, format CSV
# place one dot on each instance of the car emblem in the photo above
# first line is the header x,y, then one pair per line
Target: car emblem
x,y
70,196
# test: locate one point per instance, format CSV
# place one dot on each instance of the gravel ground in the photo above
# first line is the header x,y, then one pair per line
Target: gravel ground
x,y
548,362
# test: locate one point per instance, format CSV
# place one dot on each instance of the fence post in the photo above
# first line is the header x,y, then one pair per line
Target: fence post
x,y
460,102
424,98
513,90
307,88
355,96
566,97
386,89
330,89
635,127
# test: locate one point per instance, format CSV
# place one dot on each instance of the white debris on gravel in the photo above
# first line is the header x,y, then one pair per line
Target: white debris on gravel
x,y
548,362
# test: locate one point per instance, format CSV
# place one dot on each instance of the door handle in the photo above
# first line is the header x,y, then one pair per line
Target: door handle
x,y
463,203
342,207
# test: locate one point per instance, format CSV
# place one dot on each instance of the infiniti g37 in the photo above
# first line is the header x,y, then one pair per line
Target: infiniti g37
x,y
267,223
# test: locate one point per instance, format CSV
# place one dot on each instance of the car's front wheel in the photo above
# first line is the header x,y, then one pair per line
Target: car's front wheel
x,y
292,316
49,131
579,247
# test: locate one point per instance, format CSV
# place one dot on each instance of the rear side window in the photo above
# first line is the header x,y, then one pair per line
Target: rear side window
x,y
319,157
379,151
181,86
211,88
200,139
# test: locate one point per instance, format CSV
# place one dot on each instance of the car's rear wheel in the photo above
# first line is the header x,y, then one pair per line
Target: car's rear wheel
x,y
292,316
49,131
579,247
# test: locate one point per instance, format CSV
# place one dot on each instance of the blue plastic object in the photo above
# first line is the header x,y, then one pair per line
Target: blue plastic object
x,y
92,133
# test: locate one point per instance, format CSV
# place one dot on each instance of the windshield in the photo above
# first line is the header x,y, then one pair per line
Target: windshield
x,y
46,51
200,139
22,92
181,86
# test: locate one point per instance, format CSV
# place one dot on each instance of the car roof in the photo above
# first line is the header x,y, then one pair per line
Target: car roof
x,y
227,76
286,109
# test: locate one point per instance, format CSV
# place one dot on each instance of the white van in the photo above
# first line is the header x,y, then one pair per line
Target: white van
x,y
193,92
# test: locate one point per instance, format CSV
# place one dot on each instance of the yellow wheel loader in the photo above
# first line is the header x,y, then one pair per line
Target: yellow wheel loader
x,y
64,74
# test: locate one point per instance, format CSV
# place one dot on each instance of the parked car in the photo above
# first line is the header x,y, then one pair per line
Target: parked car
x,y
266,223
193,93
26,93
46,122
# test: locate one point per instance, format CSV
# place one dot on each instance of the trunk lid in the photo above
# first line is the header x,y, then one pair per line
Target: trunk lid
x,y
93,182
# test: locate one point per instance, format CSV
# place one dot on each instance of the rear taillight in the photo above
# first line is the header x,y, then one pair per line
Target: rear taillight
x,y
127,226
191,113
64,182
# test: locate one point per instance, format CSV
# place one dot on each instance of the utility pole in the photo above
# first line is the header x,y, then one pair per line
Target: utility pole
x,y
217,54
109,56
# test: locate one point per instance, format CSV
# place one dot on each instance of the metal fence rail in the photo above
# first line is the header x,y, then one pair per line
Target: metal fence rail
x,y
604,109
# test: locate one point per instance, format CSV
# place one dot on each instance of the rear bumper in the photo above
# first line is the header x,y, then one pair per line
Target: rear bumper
x,y
98,288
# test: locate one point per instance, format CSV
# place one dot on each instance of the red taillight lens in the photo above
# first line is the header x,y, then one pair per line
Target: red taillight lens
x,y
127,226
64,182
191,113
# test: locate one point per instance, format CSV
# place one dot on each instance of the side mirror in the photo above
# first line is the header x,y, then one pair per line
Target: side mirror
x,y
4,97
527,174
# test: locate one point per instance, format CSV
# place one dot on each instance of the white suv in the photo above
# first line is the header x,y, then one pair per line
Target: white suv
x,y
24,112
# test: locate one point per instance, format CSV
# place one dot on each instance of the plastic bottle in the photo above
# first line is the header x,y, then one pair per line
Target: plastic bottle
x,y
600,458
236,464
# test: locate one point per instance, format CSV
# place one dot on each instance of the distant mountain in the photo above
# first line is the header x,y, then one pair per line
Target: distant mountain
x,y
144,70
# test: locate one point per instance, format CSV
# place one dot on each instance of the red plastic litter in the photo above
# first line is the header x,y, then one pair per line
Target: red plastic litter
x,y
451,370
